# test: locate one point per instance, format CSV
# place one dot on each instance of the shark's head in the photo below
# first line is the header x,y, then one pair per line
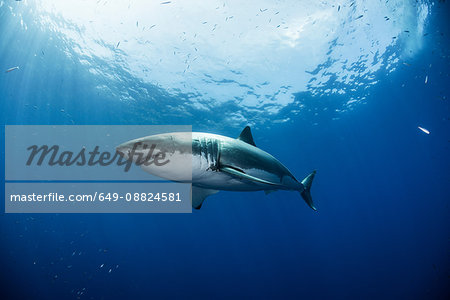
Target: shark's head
x,y
166,155
156,146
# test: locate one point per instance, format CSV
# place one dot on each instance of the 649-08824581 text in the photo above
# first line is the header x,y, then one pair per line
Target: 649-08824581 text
x,y
102,197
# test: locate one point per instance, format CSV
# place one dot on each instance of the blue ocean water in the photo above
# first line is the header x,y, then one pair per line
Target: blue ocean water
x,y
337,87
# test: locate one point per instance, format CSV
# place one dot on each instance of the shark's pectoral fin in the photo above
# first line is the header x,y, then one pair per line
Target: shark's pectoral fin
x,y
241,174
199,195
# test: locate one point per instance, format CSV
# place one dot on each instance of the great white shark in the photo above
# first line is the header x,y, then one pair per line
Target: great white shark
x,y
214,162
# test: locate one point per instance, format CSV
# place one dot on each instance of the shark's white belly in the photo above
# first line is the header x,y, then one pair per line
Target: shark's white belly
x,y
222,181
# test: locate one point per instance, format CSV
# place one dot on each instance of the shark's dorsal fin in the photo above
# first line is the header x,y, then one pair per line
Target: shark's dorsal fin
x,y
246,136
199,195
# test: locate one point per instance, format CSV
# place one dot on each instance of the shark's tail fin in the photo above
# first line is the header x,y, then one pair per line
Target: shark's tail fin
x,y
306,192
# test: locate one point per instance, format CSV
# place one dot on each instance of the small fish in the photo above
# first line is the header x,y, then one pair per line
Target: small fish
x,y
424,130
339,7
167,2
12,69
426,79
118,45
359,17
101,266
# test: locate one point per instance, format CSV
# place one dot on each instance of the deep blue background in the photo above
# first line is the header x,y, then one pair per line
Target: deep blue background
x,y
382,190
